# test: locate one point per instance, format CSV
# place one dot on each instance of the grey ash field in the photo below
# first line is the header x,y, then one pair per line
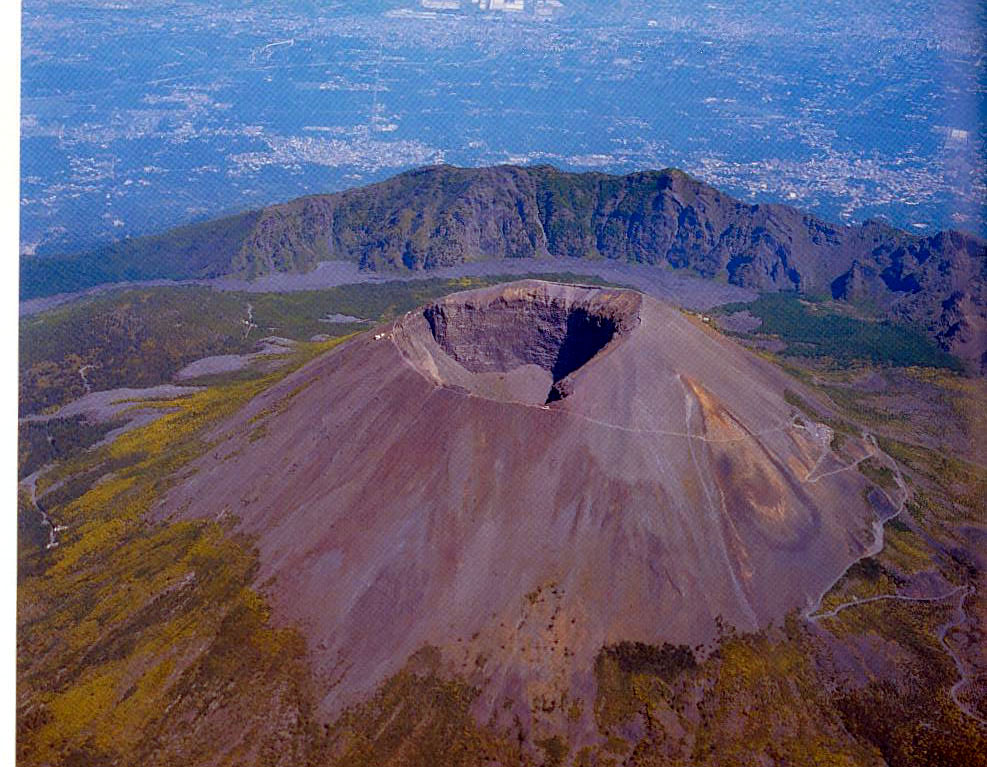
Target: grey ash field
x,y
484,521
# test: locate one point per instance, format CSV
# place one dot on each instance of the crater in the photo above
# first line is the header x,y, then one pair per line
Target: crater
x,y
556,329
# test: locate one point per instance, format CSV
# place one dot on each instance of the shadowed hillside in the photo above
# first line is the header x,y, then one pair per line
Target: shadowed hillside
x,y
443,216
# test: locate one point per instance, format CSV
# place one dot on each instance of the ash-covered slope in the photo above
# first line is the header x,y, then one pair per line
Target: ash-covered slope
x,y
522,474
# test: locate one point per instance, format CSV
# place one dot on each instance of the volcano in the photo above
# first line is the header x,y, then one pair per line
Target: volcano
x,y
521,475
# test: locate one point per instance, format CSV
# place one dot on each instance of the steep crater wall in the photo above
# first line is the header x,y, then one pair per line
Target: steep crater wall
x,y
555,333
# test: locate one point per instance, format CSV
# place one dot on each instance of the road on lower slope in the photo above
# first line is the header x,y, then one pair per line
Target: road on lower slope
x,y
959,615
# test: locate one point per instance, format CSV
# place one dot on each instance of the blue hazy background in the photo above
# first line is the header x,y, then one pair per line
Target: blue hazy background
x,y
142,114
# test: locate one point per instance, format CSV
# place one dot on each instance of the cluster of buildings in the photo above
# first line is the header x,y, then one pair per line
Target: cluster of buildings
x,y
533,7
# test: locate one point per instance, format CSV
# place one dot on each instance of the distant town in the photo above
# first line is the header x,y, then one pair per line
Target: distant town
x,y
533,7
191,115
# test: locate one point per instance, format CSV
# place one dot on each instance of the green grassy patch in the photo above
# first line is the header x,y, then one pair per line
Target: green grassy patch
x,y
42,442
141,337
127,626
878,473
839,426
811,329
666,661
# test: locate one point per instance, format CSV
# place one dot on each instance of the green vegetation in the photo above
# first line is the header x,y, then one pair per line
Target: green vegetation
x,y
43,442
666,661
954,490
413,220
129,627
419,717
855,407
555,750
878,473
867,578
756,696
811,329
910,718
142,337
199,250
565,206
838,425
127,338
905,550
762,696
911,721
32,537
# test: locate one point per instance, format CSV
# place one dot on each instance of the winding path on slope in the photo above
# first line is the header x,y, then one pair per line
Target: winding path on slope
x,y
959,616
31,483
882,597
811,612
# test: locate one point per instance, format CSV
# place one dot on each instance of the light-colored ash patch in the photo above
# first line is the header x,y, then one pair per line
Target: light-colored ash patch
x,y
341,319
739,322
231,363
107,405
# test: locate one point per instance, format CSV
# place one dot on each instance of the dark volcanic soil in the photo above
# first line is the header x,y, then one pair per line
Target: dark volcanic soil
x,y
521,474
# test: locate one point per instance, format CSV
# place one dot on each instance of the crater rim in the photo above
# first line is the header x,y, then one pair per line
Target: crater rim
x,y
502,334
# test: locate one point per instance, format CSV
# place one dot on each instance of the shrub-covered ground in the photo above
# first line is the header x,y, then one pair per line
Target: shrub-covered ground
x,y
146,643
819,330
142,337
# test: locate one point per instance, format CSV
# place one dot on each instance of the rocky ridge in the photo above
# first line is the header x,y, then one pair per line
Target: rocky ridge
x,y
442,216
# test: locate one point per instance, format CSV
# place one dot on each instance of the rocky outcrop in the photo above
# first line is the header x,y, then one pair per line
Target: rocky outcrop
x,y
443,216
857,284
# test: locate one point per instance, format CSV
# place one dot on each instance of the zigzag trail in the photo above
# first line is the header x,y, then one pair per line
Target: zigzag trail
x,y
959,616
900,597
872,450
813,612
